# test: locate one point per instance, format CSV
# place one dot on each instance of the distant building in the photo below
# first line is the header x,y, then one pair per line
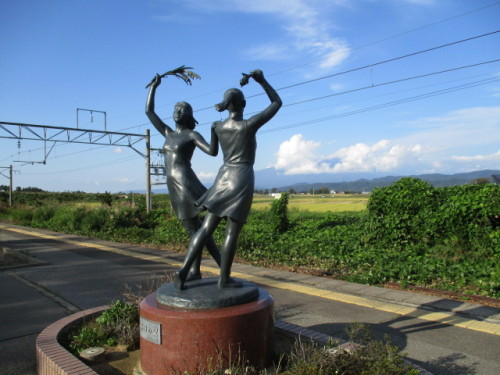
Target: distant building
x,y
275,195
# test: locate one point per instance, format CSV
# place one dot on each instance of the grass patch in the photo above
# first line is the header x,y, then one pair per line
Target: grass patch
x,y
316,203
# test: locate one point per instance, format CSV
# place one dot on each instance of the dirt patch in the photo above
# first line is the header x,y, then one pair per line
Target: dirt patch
x,y
117,361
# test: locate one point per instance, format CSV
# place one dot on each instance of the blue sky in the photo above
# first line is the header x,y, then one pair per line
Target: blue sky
x,y
435,111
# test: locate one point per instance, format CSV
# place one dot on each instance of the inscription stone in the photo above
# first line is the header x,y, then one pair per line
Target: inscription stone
x,y
150,331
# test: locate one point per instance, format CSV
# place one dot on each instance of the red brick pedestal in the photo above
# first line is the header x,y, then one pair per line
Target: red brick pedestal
x,y
175,340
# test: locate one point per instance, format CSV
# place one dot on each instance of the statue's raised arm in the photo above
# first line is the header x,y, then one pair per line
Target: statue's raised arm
x,y
261,118
157,122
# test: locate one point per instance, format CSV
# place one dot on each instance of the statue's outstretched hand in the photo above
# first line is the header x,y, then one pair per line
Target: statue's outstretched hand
x,y
257,75
156,81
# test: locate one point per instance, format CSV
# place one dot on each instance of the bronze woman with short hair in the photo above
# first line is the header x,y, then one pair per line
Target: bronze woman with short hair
x,y
232,193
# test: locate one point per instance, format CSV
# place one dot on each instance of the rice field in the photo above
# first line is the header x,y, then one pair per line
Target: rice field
x,y
316,203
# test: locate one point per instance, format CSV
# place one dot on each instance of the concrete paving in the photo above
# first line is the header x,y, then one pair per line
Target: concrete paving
x,y
444,336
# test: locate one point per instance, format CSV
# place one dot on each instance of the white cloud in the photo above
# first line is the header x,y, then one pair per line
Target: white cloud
x,y
474,162
269,52
465,128
447,144
308,30
206,176
382,156
496,92
491,157
300,156
124,180
118,150
336,87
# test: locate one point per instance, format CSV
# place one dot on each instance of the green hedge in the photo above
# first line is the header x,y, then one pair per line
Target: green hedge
x,y
448,238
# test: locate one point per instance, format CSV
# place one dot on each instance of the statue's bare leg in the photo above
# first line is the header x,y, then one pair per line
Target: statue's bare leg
x,y
228,250
192,225
196,245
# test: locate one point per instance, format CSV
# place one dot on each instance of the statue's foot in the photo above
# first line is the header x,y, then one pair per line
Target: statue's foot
x,y
193,276
178,282
229,283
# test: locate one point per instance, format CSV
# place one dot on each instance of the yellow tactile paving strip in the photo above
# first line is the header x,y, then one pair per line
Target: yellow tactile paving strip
x,y
438,317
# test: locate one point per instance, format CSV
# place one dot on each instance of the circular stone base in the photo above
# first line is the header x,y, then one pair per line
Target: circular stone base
x,y
204,294
175,340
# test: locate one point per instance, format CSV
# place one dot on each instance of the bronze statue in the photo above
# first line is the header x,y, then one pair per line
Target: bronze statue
x,y
232,193
183,185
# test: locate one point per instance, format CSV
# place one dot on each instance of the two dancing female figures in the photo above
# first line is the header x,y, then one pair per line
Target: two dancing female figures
x,y
231,195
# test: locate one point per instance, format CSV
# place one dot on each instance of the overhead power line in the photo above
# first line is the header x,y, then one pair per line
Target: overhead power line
x,y
381,84
393,82
384,105
378,63
495,3
346,92
383,62
400,34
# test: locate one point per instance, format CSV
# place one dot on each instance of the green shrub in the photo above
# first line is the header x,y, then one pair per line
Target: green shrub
x,y
278,214
19,215
89,336
117,325
412,233
120,322
467,214
402,214
42,215
96,220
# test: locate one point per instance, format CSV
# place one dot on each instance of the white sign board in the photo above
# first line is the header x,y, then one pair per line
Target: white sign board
x,y
151,331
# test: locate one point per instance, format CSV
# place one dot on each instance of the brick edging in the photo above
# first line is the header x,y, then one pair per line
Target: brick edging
x,y
51,357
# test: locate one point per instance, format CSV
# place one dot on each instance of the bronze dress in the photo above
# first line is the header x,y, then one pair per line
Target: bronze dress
x,y
232,192
183,185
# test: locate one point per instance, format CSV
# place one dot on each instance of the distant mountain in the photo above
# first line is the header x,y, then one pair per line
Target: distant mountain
x,y
270,178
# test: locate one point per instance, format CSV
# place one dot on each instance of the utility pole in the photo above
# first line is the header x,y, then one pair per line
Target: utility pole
x,y
148,171
10,181
10,186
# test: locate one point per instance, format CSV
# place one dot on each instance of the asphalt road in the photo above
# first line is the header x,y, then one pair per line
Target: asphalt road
x,y
74,273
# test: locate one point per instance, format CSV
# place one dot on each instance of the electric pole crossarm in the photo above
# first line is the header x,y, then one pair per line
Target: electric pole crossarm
x,y
50,138
140,153
75,136
37,136
12,135
69,135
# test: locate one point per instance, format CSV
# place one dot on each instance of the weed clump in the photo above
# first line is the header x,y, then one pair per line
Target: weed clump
x,y
119,325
